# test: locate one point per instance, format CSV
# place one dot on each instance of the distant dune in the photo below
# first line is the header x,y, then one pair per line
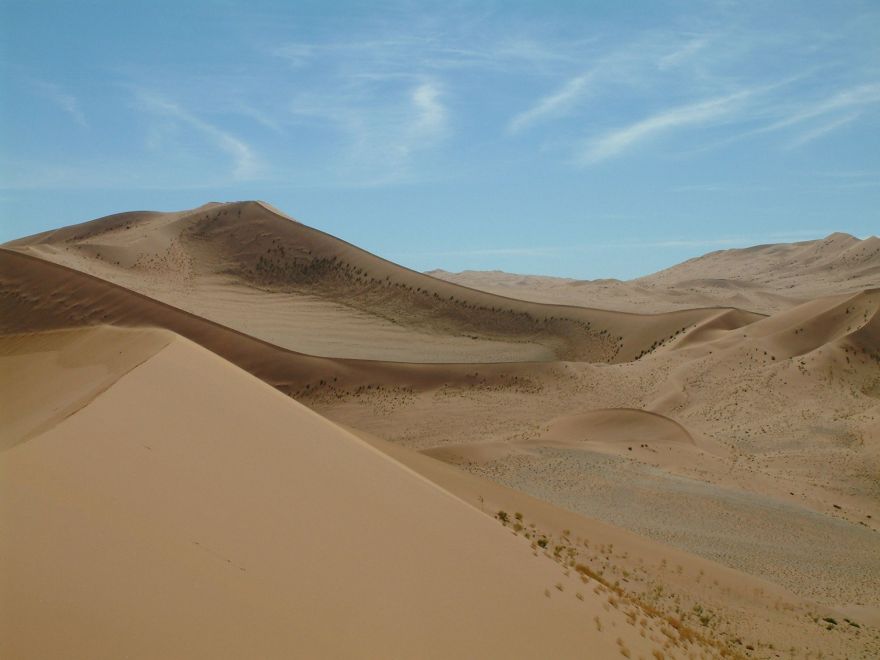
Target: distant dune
x,y
227,434
764,278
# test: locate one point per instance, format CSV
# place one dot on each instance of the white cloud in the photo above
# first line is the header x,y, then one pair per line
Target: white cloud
x,y
682,54
295,54
860,95
790,115
65,101
431,116
824,129
260,117
551,105
414,53
615,142
243,157
383,132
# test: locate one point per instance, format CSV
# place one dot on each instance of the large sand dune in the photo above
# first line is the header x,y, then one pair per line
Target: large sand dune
x,y
237,523
696,481
247,267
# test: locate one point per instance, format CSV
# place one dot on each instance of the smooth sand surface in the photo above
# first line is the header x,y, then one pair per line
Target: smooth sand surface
x,y
47,378
237,523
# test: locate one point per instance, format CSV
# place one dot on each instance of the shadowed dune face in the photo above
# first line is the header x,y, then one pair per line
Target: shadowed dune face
x,y
134,461
246,266
39,295
50,376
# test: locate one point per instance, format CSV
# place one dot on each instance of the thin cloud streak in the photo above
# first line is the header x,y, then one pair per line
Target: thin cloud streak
x,y
819,131
683,54
66,102
617,141
245,162
860,95
552,105
428,51
635,65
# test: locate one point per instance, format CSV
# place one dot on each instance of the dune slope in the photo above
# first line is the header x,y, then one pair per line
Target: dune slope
x,y
237,523
248,267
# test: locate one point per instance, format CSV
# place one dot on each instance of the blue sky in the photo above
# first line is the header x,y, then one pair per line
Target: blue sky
x,y
583,139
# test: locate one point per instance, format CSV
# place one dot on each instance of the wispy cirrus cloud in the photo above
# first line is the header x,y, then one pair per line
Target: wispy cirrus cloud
x,y
843,107
551,105
776,115
383,132
615,142
821,130
245,163
426,50
683,53
859,95
431,116
61,99
633,66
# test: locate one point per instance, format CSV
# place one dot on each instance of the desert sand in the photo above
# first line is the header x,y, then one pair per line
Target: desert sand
x,y
227,434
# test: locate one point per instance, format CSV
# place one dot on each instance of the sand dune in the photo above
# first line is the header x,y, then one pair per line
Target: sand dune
x,y
68,369
239,524
39,295
764,278
251,269
710,471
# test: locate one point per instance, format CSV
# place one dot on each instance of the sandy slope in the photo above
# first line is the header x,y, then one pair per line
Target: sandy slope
x,y
764,278
251,269
237,523
740,607
40,295
61,368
